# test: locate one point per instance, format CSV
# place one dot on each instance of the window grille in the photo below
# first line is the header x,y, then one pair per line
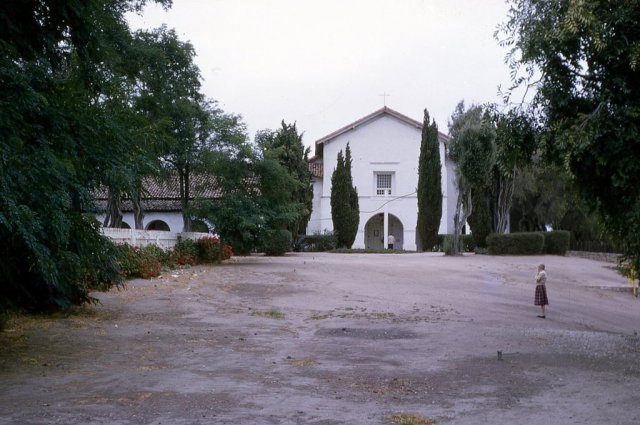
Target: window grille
x,y
383,184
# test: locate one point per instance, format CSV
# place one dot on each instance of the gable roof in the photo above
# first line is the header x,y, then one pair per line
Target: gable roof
x,y
375,115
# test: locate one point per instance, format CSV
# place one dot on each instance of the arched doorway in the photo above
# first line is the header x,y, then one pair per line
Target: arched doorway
x,y
374,232
158,225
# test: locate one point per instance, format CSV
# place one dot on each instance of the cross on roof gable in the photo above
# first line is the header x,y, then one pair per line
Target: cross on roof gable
x,y
374,115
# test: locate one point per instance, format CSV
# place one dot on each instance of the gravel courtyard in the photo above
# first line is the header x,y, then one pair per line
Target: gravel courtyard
x,y
330,339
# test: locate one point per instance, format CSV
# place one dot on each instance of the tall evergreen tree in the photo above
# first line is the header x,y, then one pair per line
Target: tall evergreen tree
x,y
354,207
429,186
286,144
344,201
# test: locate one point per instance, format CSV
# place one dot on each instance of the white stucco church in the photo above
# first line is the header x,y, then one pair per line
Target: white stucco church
x,y
385,147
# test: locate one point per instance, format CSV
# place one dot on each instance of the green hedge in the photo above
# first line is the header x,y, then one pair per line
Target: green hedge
x,y
529,243
466,241
556,242
316,243
523,243
278,242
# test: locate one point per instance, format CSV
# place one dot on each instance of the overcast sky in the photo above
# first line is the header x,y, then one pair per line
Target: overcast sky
x,y
325,64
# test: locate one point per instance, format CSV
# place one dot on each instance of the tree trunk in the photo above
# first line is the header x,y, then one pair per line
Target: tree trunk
x,y
138,212
463,211
113,217
184,199
505,199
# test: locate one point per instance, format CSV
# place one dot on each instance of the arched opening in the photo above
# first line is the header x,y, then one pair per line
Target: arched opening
x,y
158,225
374,232
125,225
199,226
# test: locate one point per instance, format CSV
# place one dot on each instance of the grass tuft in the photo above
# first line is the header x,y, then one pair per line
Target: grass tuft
x,y
411,419
271,314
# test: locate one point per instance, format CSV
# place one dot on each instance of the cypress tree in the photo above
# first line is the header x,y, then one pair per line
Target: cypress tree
x,y
344,201
429,186
354,207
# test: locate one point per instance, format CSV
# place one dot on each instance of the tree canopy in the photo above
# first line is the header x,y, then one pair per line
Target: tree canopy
x,y
584,60
472,149
61,135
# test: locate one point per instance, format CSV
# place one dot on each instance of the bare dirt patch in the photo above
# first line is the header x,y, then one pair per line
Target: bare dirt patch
x,y
330,339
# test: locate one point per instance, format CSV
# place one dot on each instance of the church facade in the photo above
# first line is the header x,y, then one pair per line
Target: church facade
x,y
385,147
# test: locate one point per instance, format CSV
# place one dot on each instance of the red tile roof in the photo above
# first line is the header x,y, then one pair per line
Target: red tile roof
x,y
316,168
164,194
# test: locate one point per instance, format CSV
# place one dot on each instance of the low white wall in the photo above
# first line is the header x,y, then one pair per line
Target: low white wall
x,y
165,240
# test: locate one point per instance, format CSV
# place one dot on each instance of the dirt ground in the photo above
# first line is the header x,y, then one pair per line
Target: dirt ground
x,y
330,339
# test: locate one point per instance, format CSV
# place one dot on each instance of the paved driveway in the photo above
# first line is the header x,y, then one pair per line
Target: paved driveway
x,y
336,339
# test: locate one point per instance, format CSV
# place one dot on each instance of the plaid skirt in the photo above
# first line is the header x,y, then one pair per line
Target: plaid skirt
x,y
541,295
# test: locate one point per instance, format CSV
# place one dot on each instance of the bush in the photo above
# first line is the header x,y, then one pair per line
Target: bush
x,y
149,261
556,242
467,243
447,244
142,262
315,243
210,251
185,253
523,243
278,242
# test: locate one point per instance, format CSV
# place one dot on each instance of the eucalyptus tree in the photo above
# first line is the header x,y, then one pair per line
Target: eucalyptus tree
x,y
516,142
472,149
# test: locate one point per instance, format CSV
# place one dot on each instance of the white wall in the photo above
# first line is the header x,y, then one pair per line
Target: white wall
x,y
385,144
316,223
165,240
173,219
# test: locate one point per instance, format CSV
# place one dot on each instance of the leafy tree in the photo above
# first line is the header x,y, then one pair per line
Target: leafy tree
x,y
541,197
583,58
170,96
255,189
515,144
480,221
288,148
472,149
345,211
429,185
58,59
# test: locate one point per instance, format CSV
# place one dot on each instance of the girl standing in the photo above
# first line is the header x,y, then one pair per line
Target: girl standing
x,y
541,290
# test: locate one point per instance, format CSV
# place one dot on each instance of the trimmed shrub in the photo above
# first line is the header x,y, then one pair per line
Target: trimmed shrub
x,y
447,244
467,243
317,242
556,242
522,243
278,242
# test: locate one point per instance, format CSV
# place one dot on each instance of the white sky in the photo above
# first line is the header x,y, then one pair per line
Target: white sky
x,y
325,63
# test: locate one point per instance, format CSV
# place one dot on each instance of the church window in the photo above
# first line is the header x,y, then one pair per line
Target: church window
x,y
383,183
